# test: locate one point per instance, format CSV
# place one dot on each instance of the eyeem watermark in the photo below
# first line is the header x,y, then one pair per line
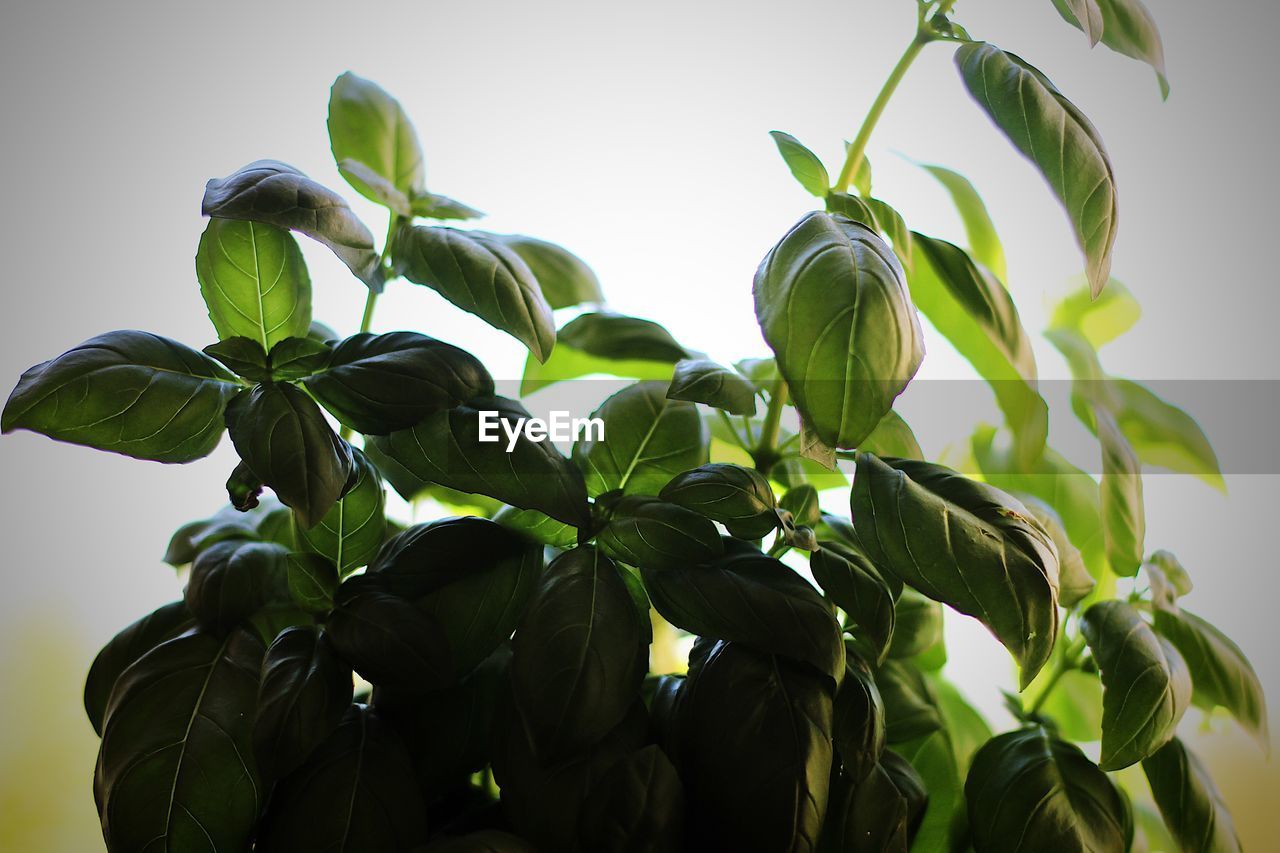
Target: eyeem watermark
x,y
560,427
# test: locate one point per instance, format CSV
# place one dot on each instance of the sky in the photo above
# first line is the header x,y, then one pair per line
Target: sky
x,y
636,135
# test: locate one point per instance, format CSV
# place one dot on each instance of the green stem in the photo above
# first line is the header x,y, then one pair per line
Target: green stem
x,y
371,301
1060,670
772,421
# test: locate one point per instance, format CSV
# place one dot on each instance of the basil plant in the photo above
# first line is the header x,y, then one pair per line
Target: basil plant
x,y
505,679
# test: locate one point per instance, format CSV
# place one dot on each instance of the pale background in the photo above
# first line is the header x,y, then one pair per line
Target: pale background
x,y
637,135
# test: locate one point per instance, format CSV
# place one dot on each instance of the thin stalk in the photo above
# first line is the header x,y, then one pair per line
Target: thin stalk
x,y
371,301
772,420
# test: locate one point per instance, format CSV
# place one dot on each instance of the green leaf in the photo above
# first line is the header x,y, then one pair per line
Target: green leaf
x,y
893,437
852,207
425,558
890,223
350,534
564,278
1051,132
369,126
967,731
281,434
297,358
749,598
805,166
432,206
740,498
976,313
233,580
1030,790
1099,321
653,534
244,356
980,231
1085,15
388,640
802,503
1124,524
919,626
619,337
480,275
1146,686
856,586
759,731
963,543
124,649
175,771
910,709
1075,706
833,305
909,784
378,384
858,724
445,448
568,363
276,193
254,281
126,392
1220,672
357,791
1125,26
701,380
312,580
304,692
384,192
1172,572
580,654
648,439
1074,580
1162,434
1193,809
537,526
870,817
638,803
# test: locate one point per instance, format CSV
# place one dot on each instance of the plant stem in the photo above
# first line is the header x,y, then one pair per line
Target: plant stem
x,y
772,421
1061,669
371,301
858,149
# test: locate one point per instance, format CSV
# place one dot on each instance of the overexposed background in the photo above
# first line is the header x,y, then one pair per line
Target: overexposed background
x,y
637,135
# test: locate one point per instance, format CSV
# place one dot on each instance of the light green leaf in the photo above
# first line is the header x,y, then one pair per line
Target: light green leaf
x,y
1083,14
369,183
368,125
1125,26
703,381
1163,434
1099,321
351,533
313,580
980,231
564,278
537,526
805,166
893,437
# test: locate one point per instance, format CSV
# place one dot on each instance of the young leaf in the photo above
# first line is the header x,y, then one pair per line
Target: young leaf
x,y
563,277
275,193
233,580
855,586
1085,15
739,498
369,126
129,645
1123,517
890,223
482,276
176,769
357,791
1125,26
126,392
378,384
304,692
805,166
1057,138
749,598
254,281
760,752
852,207
1099,321
283,437
648,440
350,534
701,380
976,313
1146,684
980,231
441,207
580,654
965,544
1220,672
1030,790
445,448
637,804
297,358
370,184
832,302
893,436
244,356
312,580
1192,807
652,534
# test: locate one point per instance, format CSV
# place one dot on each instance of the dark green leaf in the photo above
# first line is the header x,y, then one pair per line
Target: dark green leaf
x,y
295,358
313,580
1193,808
703,381
910,786
369,126
1163,434
565,280
1057,138
482,276
918,627
738,497
351,533
910,708
1074,580
1125,26
432,206
357,791
176,770
638,805
852,207
233,580
648,439
1030,790
276,193
619,337
580,654
127,392
933,763
427,557
858,727
281,434
445,448
890,223
244,356
304,692
966,544
1083,14
832,302
805,166
856,586
980,231
1220,672
870,817
749,598
653,534
254,281
1146,684
388,640
269,521
1124,523
129,645
369,183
